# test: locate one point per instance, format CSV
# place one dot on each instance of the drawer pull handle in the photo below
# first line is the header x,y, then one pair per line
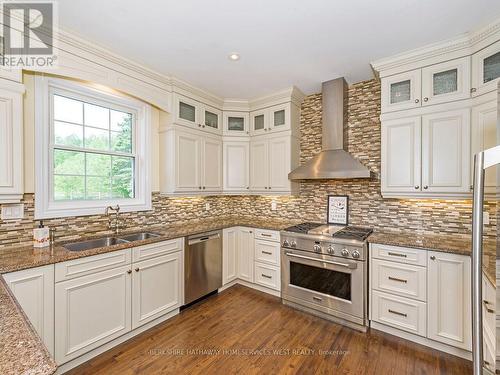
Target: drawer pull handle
x,y
486,304
266,235
317,299
397,313
396,279
266,276
266,252
397,254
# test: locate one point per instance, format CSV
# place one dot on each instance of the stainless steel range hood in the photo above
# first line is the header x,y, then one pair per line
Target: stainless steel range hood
x,y
333,162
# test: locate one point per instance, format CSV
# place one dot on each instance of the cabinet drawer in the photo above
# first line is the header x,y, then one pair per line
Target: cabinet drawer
x,y
267,252
270,235
417,257
88,265
268,276
402,313
401,279
157,249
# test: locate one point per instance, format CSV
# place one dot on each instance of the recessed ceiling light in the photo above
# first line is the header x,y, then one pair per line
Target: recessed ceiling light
x,y
234,56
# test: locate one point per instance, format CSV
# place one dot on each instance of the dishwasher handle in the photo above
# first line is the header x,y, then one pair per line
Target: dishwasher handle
x,y
203,238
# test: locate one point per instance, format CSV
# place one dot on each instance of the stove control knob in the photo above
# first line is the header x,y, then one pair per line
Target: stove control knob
x,y
317,248
293,244
330,249
355,254
285,243
344,252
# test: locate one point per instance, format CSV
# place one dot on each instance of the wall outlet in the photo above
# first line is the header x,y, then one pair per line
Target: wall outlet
x,y
274,206
207,206
12,211
486,218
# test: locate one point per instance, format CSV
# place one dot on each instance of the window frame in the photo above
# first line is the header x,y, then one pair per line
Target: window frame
x,y
45,205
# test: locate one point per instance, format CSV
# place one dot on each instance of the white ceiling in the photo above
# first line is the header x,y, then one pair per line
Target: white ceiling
x,y
281,42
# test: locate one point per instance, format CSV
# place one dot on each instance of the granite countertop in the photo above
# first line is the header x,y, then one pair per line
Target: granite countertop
x,y
441,242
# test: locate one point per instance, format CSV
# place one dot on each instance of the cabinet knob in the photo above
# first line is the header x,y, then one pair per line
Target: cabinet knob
x,y
199,187
433,257
248,187
269,187
265,130
203,126
426,187
417,187
129,271
417,101
472,90
199,125
471,187
426,99
203,187
137,269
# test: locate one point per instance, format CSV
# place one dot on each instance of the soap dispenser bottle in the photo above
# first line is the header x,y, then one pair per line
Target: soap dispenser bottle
x,y
41,236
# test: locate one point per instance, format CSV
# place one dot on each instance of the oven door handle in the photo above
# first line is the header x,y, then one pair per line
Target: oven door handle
x,y
346,265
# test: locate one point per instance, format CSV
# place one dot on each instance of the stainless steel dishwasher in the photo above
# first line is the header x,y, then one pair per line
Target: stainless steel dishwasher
x,y
202,265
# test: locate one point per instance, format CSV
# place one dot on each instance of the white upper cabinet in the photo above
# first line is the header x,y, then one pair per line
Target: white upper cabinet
x,y
211,119
187,161
279,163
11,142
259,121
272,119
194,114
211,161
486,69
236,161
446,152
401,91
401,158
259,164
446,82
236,123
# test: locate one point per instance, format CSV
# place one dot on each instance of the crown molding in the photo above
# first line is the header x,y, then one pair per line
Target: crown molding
x,y
291,94
463,45
187,89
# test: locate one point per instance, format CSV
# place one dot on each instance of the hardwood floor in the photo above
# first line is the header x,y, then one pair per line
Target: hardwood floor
x,y
248,332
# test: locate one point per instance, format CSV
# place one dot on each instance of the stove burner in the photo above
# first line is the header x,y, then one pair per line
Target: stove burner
x,y
303,227
356,233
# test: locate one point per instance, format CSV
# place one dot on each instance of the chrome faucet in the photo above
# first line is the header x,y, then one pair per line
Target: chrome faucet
x,y
116,210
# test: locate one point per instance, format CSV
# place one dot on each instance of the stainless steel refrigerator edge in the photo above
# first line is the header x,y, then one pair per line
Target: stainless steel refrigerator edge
x,y
202,265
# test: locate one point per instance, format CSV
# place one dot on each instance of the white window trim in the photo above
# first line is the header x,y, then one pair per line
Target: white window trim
x,y
45,206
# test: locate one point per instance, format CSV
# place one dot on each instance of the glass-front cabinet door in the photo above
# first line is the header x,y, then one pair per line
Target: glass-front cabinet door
x,y
186,111
279,117
259,122
236,123
212,119
446,82
486,69
401,91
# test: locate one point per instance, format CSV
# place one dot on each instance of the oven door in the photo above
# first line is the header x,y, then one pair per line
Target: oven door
x,y
327,283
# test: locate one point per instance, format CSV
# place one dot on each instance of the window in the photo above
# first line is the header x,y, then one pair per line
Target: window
x,y
91,150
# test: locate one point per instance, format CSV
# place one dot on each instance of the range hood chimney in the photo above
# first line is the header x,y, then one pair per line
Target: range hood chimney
x,y
333,162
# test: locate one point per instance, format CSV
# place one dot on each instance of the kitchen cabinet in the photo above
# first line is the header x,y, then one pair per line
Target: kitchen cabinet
x,y
236,162
267,272
238,254
91,310
273,119
194,114
11,141
246,245
34,291
489,329
211,119
236,123
230,248
259,164
449,308
156,287
486,69
401,91
211,161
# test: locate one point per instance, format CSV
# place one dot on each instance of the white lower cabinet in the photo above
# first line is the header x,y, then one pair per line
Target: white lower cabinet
x,y
230,246
268,276
426,293
34,291
246,245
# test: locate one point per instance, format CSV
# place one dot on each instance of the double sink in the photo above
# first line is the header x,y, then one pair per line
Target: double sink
x,y
109,241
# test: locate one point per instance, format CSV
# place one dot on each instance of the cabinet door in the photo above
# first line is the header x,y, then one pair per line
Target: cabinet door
x,y
446,152
188,161
187,111
90,311
279,164
446,82
484,136
279,117
212,164
401,158
259,165
229,255
486,69
401,91
236,165
211,119
246,252
259,122
236,123
11,146
156,288
449,308
34,291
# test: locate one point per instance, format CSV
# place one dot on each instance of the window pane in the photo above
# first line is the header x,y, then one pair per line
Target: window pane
x,y
98,165
66,109
96,139
122,177
98,188
187,112
211,119
491,67
96,116
68,134
121,141
121,121
69,162
400,91
236,123
445,82
69,187
259,122
279,118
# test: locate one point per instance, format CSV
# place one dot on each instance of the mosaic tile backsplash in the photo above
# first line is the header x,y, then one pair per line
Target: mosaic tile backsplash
x,y
367,207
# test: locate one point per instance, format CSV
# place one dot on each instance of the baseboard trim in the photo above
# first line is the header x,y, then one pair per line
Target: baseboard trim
x,y
260,288
65,367
422,340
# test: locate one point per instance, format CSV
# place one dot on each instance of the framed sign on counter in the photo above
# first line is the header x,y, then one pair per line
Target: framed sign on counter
x,y
338,209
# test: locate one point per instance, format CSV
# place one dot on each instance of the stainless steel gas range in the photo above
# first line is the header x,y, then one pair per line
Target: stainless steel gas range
x,y
324,271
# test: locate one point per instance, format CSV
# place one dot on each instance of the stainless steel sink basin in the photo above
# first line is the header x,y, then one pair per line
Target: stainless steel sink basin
x,y
93,244
139,236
